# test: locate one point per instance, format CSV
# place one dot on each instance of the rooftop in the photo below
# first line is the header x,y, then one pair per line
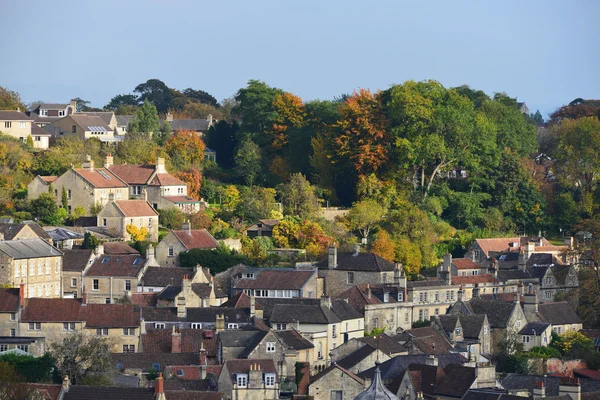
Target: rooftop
x,y
135,208
196,239
28,248
120,265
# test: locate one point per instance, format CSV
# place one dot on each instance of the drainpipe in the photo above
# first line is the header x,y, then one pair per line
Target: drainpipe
x,y
111,289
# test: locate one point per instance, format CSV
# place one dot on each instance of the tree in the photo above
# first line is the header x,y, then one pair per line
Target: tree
x,y
121,100
163,134
383,246
231,198
201,96
78,355
10,100
90,241
193,179
32,369
409,254
537,118
145,121
256,203
76,213
298,197
578,108
156,92
44,208
136,149
221,137
29,142
364,215
137,234
83,105
171,218
255,106
248,161
64,198
186,149
217,260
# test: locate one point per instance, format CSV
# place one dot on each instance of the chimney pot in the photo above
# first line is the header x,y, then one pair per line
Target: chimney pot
x,y
159,384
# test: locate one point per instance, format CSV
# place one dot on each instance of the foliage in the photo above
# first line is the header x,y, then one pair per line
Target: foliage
x,y
573,343
156,92
121,100
247,161
383,246
375,331
255,106
145,120
544,352
364,215
217,260
193,179
186,149
421,324
200,95
292,232
32,369
78,355
137,234
89,241
298,197
222,138
171,218
256,203
45,210
10,100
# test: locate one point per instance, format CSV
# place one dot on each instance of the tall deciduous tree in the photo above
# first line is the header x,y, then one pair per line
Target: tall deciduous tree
x,y
255,106
121,100
221,137
186,149
146,120
298,197
193,179
156,92
10,100
201,96
364,215
248,161
383,246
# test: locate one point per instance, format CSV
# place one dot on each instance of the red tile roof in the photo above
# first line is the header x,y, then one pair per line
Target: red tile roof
x,y
52,310
241,300
100,178
190,372
133,174
113,248
9,300
165,180
144,299
196,239
160,341
120,265
111,315
135,208
50,392
472,279
498,245
464,263
48,179
588,373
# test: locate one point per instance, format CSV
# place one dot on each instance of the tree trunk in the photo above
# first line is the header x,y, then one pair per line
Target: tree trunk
x,y
430,182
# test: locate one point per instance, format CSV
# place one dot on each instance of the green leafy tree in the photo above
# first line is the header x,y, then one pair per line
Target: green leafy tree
x,y
298,197
64,199
256,203
121,100
171,218
90,241
364,215
248,161
156,92
44,208
255,107
10,100
32,369
136,149
218,260
537,118
201,96
145,121
222,138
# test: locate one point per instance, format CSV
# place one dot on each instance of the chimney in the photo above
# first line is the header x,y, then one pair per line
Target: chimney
x,y
539,391
73,105
431,360
220,323
332,257
494,267
175,341
109,160
142,326
169,117
209,118
22,295
420,396
570,387
83,297
99,250
326,301
446,269
144,195
186,226
356,249
569,242
529,249
181,311
159,387
160,166
89,163
111,197
66,384
476,290
522,261
473,257
459,294
150,255
202,361
368,291
530,305
255,376
397,274
252,306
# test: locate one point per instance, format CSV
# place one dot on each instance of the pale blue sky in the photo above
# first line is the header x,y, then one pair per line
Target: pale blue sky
x,y
545,53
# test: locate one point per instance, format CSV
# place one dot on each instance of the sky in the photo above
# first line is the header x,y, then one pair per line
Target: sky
x,y
545,53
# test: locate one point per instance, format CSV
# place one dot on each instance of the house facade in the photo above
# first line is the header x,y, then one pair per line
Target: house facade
x,y
117,215
177,241
249,379
21,126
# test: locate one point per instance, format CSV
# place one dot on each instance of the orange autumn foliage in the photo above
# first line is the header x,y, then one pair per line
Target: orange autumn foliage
x,y
193,178
383,246
290,113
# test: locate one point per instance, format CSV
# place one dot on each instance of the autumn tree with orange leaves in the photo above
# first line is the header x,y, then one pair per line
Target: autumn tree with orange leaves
x,y
186,149
193,179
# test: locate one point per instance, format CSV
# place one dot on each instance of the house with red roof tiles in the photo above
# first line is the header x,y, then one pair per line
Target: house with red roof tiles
x,y
117,215
185,239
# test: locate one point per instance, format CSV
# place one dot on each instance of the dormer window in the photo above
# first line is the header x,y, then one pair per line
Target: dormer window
x,y
457,331
249,275
270,379
43,113
242,380
61,113
386,297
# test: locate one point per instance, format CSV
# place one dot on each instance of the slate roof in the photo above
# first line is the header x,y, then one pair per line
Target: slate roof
x,y
497,311
203,291
394,367
121,265
181,199
280,279
239,338
133,174
344,311
428,340
165,276
10,230
106,116
534,328
267,224
145,360
332,367
90,123
52,310
367,262
558,313
143,299
193,395
269,304
241,300
61,234
28,248
384,343
160,314
15,115
9,300
100,178
111,315
456,381
196,239
169,292
294,340
113,248
464,263
512,274
242,366
350,360
135,208
209,314
124,119
527,382
198,125
309,314
472,325
540,260
426,283
76,260
160,341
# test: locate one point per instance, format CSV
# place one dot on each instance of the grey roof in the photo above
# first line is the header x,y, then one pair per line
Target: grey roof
x,y
396,366
90,123
10,230
60,234
559,313
471,325
123,119
344,311
209,314
198,125
534,328
512,274
310,314
269,304
51,106
540,260
528,382
426,283
350,360
28,248
293,340
239,338
14,116
376,391
105,115
383,342
79,392
497,311
169,293
368,262
76,260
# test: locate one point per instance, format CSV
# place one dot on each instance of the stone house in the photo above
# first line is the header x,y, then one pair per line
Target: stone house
x,y
335,382
278,283
40,184
206,318
344,270
295,342
485,249
249,379
44,114
383,342
176,341
425,340
85,187
536,334
111,278
75,265
264,227
138,363
21,126
561,316
117,215
33,262
470,333
83,126
10,306
32,345
24,230
451,382
177,241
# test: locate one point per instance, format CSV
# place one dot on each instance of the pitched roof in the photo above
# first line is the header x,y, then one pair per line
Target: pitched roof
x,y
164,276
50,106
100,178
456,381
181,199
350,360
394,367
160,341
498,245
385,343
203,291
241,300
368,262
193,395
145,360
15,115
112,315
465,263
294,340
196,239
48,179
332,367
76,260
239,338
514,382
169,292
114,248
106,116
265,223
48,391
497,311
52,310
135,208
62,234
558,313
281,279
28,248
242,366
269,304
121,265
124,119
472,279
472,325
165,180
344,311
309,314
90,122
133,174
534,328
143,299
429,340
9,300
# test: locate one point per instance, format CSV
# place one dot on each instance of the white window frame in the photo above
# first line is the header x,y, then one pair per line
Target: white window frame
x,y
95,285
196,325
269,379
233,325
241,380
160,325
270,347
171,251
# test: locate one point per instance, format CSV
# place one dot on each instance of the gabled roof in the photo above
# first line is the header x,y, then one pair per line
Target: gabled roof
x,y
165,180
116,248
160,341
28,248
90,123
241,300
242,366
294,340
181,199
309,314
76,260
165,276
280,279
266,224
244,341
133,174
52,310
14,116
146,360
456,381
473,279
100,178
472,325
106,116
394,367
120,265
169,293
62,234
111,315
9,300
344,311
383,342
534,328
350,360
196,239
198,125
465,263
124,119
143,299
10,230
203,291
48,179
367,262
558,313
515,382
497,311
498,245
334,367
428,340
135,208
49,106
269,304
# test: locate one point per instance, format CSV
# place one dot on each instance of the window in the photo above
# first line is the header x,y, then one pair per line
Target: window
x,y
35,326
69,194
270,347
171,251
7,124
375,323
156,366
102,332
249,275
68,326
3,347
128,331
526,339
281,327
22,124
437,311
406,317
485,330
473,272
107,300
104,223
476,253
386,297
47,267
180,190
451,295
351,278
232,326
242,380
13,316
518,324
180,373
127,284
95,284
196,325
319,351
457,331
270,379
73,128
150,222
23,347
336,395
437,297
73,282
159,325
333,333
548,295
13,332
128,348
61,113
420,315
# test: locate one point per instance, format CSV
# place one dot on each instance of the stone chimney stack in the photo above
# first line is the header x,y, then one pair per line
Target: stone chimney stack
x,y
22,295
175,341
476,290
252,306
368,291
187,226
529,249
255,376
150,255
522,261
539,391
73,105
446,269
530,303
159,387
99,250
570,387
326,301
169,117
181,309
66,384
203,362
160,166
220,323
569,242
356,249
89,163
209,118
109,160
332,257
